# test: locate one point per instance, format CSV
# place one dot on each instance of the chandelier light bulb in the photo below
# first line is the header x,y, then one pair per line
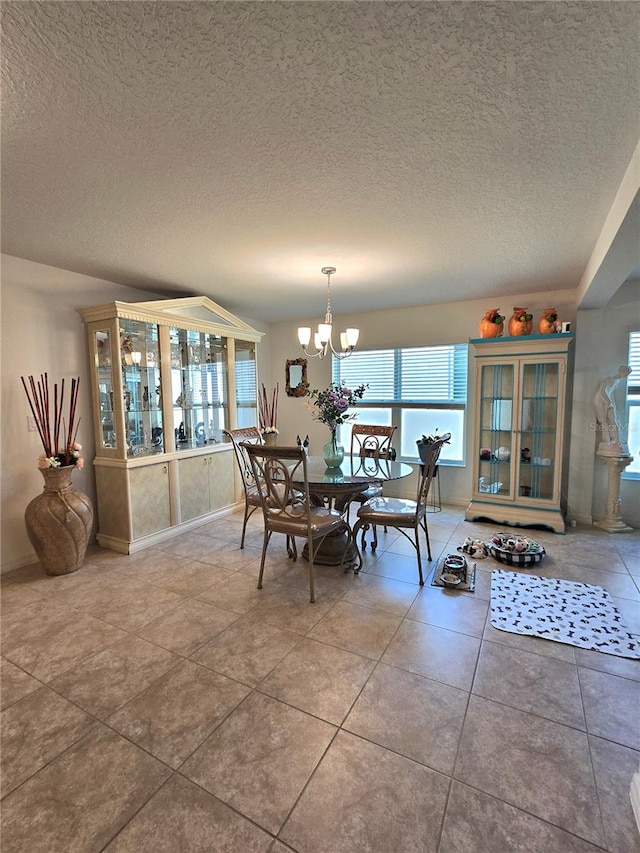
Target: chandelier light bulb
x,y
304,335
324,332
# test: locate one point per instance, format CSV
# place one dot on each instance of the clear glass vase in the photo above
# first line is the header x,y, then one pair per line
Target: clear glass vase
x,y
333,452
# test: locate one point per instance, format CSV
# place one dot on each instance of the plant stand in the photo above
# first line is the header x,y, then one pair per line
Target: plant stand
x,y
434,503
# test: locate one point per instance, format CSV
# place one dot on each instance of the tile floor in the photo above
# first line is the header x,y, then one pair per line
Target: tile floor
x,y
160,702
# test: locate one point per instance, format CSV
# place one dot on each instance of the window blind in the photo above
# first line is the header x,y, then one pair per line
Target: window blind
x,y
633,382
246,383
412,375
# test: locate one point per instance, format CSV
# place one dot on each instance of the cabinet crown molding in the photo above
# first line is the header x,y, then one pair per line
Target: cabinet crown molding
x,y
197,312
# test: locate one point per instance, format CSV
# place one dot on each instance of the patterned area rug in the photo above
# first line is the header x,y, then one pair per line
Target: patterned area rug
x,y
579,614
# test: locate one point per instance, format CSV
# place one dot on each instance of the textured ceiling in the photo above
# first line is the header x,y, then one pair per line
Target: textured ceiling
x,y
431,151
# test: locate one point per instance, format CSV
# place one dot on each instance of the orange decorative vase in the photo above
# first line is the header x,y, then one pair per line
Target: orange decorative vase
x,y
549,322
521,323
492,324
59,522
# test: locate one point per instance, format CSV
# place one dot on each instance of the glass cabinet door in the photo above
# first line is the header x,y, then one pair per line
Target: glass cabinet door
x,y
198,387
538,427
107,435
246,389
496,429
141,388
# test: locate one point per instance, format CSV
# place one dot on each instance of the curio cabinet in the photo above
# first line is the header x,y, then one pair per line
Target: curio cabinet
x,y
519,429
168,377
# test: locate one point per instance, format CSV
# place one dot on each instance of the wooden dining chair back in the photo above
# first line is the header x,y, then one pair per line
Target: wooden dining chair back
x,y
240,437
371,441
280,475
408,517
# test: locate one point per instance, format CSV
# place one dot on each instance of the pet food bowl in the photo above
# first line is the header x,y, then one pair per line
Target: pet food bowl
x,y
451,581
454,564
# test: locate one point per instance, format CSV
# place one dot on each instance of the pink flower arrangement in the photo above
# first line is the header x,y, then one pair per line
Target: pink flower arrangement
x,y
330,405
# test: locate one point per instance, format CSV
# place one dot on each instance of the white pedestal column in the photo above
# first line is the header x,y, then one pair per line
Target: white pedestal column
x,y
635,796
613,522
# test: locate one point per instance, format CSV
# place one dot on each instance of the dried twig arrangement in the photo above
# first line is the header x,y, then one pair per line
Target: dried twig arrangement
x,y
58,439
268,412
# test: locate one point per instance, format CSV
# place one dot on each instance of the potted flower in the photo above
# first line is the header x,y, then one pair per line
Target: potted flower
x,y
425,441
330,407
59,520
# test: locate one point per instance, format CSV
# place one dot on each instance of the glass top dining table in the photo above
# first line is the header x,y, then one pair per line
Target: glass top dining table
x,y
354,475
337,487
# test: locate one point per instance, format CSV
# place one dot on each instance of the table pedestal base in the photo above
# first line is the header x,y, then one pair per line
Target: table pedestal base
x,y
331,551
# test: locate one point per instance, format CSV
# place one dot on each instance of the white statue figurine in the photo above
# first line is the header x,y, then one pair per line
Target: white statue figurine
x,y
612,444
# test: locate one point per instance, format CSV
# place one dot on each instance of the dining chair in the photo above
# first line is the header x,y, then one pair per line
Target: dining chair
x,y
404,515
371,441
282,482
240,437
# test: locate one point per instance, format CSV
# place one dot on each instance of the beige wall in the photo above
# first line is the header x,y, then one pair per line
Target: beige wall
x,y
41,330
449,322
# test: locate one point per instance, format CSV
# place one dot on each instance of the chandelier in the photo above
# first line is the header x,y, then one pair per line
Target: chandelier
x,y
322,340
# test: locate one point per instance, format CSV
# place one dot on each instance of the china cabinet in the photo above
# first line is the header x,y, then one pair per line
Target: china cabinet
x,y
168,377
519,427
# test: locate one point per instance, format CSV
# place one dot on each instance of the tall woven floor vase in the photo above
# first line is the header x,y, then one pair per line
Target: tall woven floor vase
x,y
59,522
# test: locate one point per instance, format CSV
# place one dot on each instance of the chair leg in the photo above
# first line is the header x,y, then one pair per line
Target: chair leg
x,y
244,524
292,550
426,533
417,530
312,596
265,543
351,539
247,515
359,525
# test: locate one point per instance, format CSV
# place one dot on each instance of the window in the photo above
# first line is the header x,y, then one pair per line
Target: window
x,y
633,407
420,390
246,394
